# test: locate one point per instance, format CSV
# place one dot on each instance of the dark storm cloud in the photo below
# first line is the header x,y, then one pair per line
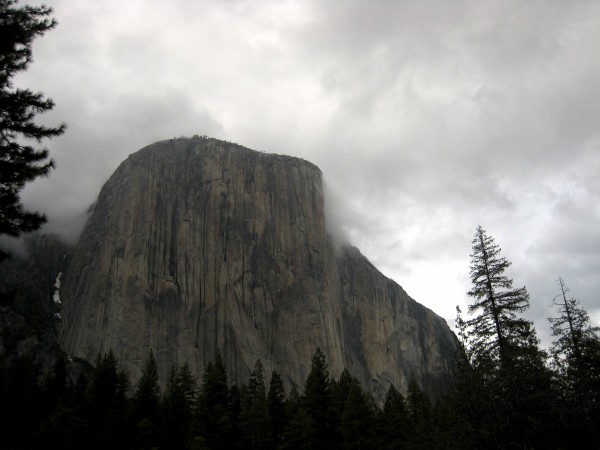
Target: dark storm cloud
x,y
427,119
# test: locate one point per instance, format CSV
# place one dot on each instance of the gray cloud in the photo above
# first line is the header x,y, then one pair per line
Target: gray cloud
x,y
427,119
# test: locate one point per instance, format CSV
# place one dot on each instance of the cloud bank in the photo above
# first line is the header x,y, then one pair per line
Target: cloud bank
x,y
426,118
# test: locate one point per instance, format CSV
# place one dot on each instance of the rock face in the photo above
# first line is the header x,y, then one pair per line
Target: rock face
x,y
196,245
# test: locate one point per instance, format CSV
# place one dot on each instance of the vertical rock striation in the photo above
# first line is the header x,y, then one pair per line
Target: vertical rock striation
x,y
196,245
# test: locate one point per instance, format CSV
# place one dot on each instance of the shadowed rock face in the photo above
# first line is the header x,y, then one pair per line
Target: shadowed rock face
x,y
196,245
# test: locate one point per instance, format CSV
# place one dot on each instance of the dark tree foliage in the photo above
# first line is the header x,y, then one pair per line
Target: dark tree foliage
x,y
297,434
341,390
255,412
145,404
505,357
57,381
497,330
106,402
21,398
318,404
576,357
394,420
358,419
572,330
92,410
475,419
276,407
236,410
147,392
214,424
20,161
176,407
419,408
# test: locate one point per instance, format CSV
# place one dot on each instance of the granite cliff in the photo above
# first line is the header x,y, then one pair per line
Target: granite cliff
x,y
196,245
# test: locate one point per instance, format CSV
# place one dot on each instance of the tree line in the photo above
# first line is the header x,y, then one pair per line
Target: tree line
x,y
100,409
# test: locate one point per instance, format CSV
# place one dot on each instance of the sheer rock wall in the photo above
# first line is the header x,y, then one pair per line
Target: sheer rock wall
x,y
196,245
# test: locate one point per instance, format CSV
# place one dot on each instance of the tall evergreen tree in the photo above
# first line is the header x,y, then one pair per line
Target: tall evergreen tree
x,y
572,330
497,330
419,408
147,394
299,426
255,414
318,402
276,407
576,355
341,390
395,420
21,162
357,419
145,405
176,407
104,382
504,349
106,402
214,422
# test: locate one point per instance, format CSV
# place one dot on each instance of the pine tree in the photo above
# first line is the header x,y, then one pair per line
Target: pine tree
x,y
572,330
299,428
255,414
496,333
147,392
419,408
236,397
176,407
341,390
106,401
276,407
214,415
319,405
103,387
21,162
187,384
576,354
395,420
357,419
504,350
472,402
145,405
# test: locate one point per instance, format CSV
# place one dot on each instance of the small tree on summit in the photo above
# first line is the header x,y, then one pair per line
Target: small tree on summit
x,y
20,162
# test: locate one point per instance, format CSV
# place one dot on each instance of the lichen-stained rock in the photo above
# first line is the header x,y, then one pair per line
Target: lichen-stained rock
x,y
196,245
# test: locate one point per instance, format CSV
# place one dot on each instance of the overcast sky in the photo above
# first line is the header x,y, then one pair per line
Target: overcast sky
x,y
427,119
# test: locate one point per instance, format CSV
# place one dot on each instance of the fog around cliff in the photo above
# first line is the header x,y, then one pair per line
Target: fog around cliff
x,y
426,118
